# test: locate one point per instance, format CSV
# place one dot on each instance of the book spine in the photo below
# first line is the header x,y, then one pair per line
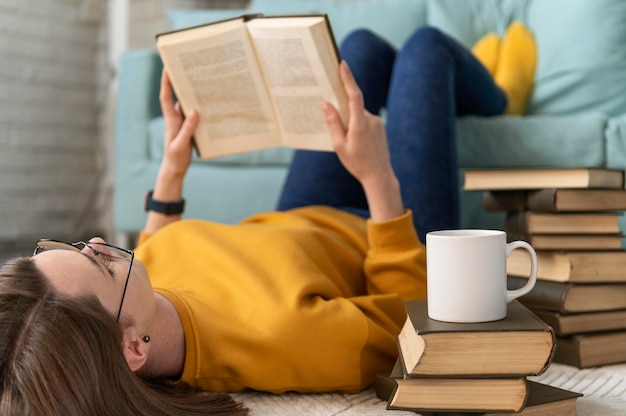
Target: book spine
x,y
384,386
568,351
543,200
545,295
504,201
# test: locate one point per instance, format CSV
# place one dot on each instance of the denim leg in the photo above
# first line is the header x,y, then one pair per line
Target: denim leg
x,y
434,80
319,178
371,61
425,86
316,178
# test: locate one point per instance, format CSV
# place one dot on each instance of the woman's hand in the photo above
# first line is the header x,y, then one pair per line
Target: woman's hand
x,y
178,131
177,153
362,149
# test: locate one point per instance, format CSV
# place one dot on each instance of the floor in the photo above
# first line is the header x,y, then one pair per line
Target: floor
x,y
604,390
8,250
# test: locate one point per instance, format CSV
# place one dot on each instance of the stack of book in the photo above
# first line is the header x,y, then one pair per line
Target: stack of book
x,y
575,219
450,368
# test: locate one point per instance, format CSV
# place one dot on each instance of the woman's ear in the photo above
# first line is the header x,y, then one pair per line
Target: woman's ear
x,y
135,349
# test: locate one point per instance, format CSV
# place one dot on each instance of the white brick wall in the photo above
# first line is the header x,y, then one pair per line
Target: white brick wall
x,y
57,113
147,17
49,164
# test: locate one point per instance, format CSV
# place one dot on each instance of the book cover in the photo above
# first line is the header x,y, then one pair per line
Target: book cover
x,y
591,349
257,81
567,297
542,400
530,222
492,179
554,200
519,345
571,266
575,323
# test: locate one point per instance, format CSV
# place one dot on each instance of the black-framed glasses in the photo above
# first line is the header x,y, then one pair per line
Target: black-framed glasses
x,y
105,251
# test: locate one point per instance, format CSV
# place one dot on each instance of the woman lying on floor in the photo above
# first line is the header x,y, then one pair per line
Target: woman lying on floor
x,y
308,298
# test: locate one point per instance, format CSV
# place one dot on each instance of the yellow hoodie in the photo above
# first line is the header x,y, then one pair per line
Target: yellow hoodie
x,y
307,300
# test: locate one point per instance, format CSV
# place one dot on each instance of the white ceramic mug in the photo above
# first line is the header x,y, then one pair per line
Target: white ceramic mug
x,y
466,272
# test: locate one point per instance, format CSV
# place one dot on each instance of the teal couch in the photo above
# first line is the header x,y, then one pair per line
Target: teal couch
x,y
576,115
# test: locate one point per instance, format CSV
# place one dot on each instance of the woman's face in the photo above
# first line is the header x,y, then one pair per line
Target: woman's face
x,y
78,273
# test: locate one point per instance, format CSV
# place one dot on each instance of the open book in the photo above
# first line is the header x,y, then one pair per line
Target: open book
x,y
257,81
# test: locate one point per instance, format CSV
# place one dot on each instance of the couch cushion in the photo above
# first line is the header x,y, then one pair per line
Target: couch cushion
x,y
276,156
581,53
395,20
531,141
582,56
468,20
180,19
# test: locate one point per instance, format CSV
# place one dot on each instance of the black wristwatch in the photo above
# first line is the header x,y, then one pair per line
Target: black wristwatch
x,y
167,208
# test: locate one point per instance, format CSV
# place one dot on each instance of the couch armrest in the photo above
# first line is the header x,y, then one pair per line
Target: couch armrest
x,y
137,103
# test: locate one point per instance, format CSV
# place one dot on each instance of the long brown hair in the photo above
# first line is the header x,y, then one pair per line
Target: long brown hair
x,y
62,355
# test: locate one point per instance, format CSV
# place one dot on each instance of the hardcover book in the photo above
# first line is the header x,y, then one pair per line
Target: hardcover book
x,y
571,266
519,345
592,349
530,222
555,200
542,399
572,241
458,394
493,179
257,81
575,323
572,297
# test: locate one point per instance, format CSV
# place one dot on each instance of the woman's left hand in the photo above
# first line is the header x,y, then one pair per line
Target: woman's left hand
x,y
362,146
362,149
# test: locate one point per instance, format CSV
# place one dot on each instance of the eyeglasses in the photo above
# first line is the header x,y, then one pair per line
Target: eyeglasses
x,y
106,251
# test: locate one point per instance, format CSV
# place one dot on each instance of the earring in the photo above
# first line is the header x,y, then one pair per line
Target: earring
x,y
146,338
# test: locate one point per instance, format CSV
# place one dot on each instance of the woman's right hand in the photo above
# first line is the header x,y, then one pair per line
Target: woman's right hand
x,y
177,153
178,131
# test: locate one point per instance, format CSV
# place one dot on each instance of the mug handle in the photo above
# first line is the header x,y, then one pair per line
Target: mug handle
x,y
514,294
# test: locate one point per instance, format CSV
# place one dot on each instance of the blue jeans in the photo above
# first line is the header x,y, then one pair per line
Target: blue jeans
x,y
423,87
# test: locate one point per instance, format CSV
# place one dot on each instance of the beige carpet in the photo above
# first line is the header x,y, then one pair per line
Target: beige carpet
x,y
604,390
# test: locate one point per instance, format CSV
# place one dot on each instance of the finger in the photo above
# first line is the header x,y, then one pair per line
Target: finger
x,y
334,123
165,95
189,126
355,96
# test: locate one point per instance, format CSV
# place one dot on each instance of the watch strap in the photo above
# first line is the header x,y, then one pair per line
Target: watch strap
x,y
167,208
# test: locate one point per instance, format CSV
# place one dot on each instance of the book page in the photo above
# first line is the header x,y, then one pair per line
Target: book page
x,y
301,68
213,69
